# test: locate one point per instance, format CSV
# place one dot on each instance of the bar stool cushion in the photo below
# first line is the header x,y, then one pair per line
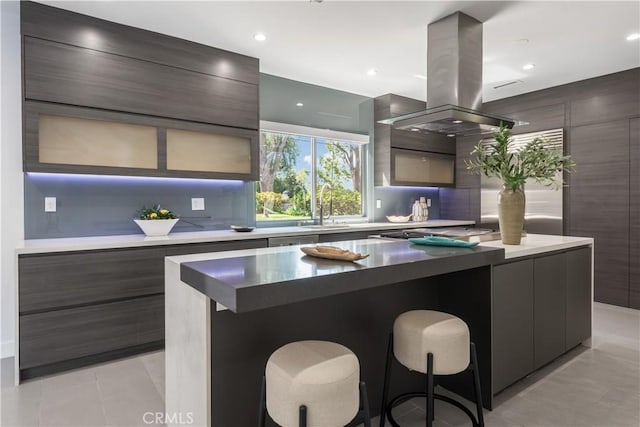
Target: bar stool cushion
x,y
419,332
322,375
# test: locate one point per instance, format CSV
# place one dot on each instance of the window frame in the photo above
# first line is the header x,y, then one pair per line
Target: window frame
x,y
314,134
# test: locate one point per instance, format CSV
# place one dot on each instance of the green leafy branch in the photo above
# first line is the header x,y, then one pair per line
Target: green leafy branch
x,y
514,167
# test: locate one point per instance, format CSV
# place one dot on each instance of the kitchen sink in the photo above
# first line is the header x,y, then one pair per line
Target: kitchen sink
x,y
326,226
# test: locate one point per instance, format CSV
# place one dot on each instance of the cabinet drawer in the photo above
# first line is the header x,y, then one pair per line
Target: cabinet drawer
x,y
201,248
68,334
60,280
338,237
66,74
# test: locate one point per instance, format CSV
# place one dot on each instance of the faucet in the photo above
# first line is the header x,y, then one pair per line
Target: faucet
x,y
322,217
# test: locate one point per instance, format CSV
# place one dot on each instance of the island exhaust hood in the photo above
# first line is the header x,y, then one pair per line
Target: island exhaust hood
x,y
454,82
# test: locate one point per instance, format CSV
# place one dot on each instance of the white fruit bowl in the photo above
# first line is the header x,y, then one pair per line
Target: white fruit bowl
x,y
156,227
399,218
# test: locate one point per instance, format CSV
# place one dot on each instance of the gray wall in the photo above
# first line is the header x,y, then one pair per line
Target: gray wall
x,y
91,205
399,201
323,108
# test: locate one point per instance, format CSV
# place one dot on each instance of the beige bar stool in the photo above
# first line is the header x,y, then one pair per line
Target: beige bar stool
x,y
433,343
313,384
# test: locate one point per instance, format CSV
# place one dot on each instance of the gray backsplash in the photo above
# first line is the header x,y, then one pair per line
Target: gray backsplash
x,y
399,201
89,205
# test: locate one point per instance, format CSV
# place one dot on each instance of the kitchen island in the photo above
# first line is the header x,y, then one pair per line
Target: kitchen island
x,y
226,313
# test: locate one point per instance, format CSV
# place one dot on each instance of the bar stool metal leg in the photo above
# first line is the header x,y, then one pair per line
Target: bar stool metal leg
x,y
476,383
263,403
430,398
364,412
385,387
303,416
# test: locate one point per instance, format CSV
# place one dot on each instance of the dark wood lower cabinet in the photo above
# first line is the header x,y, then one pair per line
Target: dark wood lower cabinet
x,y
78,308
549,308
50,281
78,332
578,317
541,309
513,322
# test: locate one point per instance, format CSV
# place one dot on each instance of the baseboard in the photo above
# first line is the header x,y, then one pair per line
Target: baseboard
x,y
7,349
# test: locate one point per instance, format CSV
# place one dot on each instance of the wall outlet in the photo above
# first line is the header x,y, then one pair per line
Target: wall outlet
x,y
378,203
197,204
49,204
428,203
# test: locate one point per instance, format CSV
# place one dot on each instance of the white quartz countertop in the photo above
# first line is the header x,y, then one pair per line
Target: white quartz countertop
x,y
531,245
35,246
539,243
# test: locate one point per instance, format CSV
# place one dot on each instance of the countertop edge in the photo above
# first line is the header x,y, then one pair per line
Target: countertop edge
x,y
71,244
535,244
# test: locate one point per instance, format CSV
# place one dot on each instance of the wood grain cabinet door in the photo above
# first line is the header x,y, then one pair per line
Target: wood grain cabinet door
x,y
512,323
69,334
634,214
578,320
549,308
599,203
65,74
53,281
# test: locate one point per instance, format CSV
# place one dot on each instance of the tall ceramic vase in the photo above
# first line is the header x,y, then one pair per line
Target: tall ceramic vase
x,y
511,214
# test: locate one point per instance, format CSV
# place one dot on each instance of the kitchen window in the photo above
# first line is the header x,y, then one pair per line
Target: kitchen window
x,y
297,162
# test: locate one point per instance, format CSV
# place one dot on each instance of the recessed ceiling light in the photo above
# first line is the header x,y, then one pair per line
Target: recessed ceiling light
x,y
299,104
634,36
451,135
420,76
372,72
457,121
259,37
528,66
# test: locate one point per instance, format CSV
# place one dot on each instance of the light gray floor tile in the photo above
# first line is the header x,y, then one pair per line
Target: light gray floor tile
x,y
78,405
154,363
58,383
594,387
133,409
124,377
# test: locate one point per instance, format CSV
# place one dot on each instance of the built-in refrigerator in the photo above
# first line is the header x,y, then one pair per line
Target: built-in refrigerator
x,y
543,211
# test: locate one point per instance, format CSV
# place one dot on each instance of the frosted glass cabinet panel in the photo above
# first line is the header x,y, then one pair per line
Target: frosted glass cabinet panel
x,y
208,152
420,168
80,141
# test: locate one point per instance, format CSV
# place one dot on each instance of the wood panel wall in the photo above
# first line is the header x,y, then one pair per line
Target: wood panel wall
x,y
601,118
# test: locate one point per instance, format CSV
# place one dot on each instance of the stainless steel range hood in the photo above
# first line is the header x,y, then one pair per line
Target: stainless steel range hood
x,y
454,82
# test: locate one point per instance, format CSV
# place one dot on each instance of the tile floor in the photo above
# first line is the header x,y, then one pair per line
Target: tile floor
x,y
598,386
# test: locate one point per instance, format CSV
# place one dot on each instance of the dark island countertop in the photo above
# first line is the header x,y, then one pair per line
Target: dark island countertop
x,y
254,279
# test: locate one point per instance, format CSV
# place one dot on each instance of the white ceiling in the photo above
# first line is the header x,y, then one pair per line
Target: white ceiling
x,y
335,42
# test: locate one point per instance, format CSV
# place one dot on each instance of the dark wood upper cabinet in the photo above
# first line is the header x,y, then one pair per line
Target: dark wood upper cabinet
x,y
66,139
149,97
398,153
64,74
50,23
